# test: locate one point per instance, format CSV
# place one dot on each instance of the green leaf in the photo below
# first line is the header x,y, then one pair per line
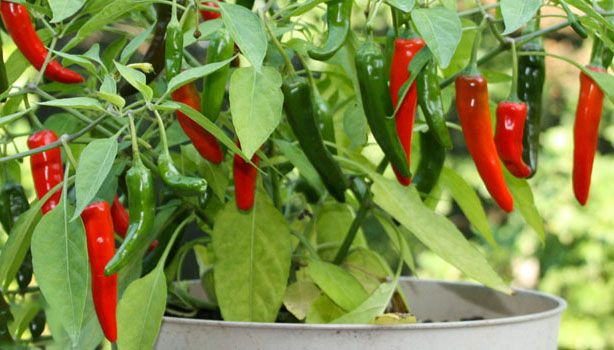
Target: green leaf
x,y
256,102
253,254
469,202
355,126
441,29
75,102
517,12
17,244
63,9
435,231
332,224
338,284
403,5
94,165
587,8
140,311
215,174
193,74
525,203
373,306
134,44
60,261
108,91
299,297
136,79
247,32
323,310
297,157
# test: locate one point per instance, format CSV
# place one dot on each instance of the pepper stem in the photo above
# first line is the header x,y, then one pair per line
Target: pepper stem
x,y
162,132
597,54
472,67
282,52
133,139
514,93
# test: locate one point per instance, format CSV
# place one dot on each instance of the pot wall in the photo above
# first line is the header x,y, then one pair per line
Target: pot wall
x,y
527,320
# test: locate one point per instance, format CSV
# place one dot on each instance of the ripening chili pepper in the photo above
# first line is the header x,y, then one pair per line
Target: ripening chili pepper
x,y
338,16
511,117
98,225
404,51
377,104
174,47
142,204
206,144
185,185
209,15
13,203
47,169
37,325
221,48
432,157
19,26
586,126
121,220
156,52
429,99
324,120
474,114
299,112
5,318
245,177
531,78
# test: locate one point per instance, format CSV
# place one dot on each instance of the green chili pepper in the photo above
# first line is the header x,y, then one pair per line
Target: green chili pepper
x,y
432,157
531,77
377,104
429,98
573,20
37,325
324,119
141,205
5,318
221,48
185,185
299,111
174,47
338,15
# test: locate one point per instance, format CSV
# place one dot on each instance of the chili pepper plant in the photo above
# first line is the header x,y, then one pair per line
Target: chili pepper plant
x,y
229,142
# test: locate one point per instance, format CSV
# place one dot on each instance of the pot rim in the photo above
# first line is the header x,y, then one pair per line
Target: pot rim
x,y
561,305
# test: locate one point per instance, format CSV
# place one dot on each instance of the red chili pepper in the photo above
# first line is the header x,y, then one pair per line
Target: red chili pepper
x,y
100,249
245,177
47,170
206,144
474,115
209,15
404,52
586,134
511,117
121,220
19,26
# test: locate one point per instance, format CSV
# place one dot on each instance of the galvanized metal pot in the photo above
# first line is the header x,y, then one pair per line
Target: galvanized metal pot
x,y
528,320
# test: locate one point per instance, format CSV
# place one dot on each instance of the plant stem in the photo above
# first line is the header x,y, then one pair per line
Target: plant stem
x,y
365,204
133,139
280,48
162,132
69,154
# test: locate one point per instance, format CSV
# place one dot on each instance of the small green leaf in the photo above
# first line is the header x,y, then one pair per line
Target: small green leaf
x,y
247,32
297,157
323,310
190,75
299,297
136,79
343,288
355,126
215,174
108,91
373,306
517,13
63,9
403,5
441,29
75,102
469,202
94,165
524,202
134,44
256,103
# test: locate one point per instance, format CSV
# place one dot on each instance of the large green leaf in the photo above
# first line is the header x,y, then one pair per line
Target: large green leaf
x,y
441,29
343,288
435,231
256,102
60,261
252,251
247,32
517,12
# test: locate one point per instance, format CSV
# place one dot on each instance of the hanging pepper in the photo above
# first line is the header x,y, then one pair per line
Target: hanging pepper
x,y
156,52
404,51
432,157
221,48
586,126
511,117
141,201
37,325
377,104
5,318
531,78
19,26
210,15
324,120
13,203
338,16
245,177
573,21
206,144
300,115
100,249
185,185
429,99
121,220
47,169
174,47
